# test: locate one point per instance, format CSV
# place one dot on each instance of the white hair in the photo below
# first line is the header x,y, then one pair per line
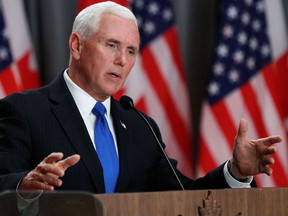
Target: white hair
x,y
87,21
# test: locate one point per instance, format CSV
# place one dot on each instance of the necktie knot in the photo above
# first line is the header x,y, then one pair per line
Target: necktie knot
x,y
99,109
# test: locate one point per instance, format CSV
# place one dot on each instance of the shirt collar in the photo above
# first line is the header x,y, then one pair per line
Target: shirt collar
x,y
83,100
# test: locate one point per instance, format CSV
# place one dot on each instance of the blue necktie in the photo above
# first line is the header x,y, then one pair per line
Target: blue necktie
x,y
105,148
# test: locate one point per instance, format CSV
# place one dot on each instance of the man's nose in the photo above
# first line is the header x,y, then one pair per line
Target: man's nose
x,y
121,58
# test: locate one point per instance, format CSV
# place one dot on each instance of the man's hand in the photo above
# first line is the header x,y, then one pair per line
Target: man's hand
x,y
46,175
252,157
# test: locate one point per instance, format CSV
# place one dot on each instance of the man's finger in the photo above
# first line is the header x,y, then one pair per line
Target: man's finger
x,y
51,180
270,150
242,129
68,162
53,157
37,185
272,140
268,170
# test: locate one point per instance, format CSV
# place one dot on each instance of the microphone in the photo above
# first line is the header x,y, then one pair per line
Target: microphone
x,y
127,103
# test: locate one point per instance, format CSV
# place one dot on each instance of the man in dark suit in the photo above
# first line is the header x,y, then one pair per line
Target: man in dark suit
x,y
47,135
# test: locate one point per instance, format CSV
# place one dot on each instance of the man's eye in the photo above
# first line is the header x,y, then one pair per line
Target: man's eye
x,y
112,45
131,52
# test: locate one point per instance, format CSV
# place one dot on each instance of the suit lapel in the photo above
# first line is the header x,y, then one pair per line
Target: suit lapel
x,y
124,142
70,119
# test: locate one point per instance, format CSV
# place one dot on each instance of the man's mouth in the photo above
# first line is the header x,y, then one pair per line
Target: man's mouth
x,y
114,75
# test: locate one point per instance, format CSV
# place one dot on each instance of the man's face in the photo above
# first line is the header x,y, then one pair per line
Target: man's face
x,y
106,58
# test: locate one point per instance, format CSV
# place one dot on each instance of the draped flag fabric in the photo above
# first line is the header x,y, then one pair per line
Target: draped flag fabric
x,y
249,79
18,69
157,83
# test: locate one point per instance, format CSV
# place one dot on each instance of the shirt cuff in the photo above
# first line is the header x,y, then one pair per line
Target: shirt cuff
x,y
232,182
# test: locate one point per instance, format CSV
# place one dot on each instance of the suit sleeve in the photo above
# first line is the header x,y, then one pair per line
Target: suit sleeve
x,y
14,150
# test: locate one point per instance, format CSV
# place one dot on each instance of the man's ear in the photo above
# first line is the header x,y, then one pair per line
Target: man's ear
x,y
75,45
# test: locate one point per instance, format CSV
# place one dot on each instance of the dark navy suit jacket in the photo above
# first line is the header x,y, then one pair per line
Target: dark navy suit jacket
x,y
37,122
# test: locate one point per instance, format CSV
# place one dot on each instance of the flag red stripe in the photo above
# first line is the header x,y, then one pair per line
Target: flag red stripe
x,y
276,78
30,78
205,158
8,81
221,112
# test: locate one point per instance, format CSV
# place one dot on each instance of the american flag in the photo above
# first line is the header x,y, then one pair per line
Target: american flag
x,y
248,78
157,83
18,70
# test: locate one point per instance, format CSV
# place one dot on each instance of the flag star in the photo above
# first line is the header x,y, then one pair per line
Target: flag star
x,y
218,69
233,76
245,18
153,8
238,56
213,88
139,4
249,2
4,34
260,6
265,50
232,12
3,54
149,27
228,31
253,43
167,14
242,38
222,50
256,25
250,63
139,21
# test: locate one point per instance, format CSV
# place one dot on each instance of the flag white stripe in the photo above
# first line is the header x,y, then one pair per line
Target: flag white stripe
x,y
135,85
200,172
2,92
266,181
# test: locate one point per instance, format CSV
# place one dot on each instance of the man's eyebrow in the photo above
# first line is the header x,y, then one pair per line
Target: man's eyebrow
x,y
113,40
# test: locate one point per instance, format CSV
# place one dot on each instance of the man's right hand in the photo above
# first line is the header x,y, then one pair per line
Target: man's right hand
x,y
46,175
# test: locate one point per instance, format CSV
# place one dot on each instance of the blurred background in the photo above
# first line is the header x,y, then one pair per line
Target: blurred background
x,y
198,26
